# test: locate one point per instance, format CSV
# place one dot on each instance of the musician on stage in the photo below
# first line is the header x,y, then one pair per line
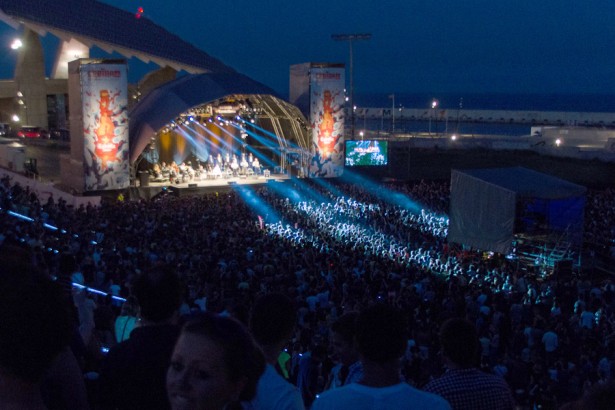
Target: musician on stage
x,y
235,165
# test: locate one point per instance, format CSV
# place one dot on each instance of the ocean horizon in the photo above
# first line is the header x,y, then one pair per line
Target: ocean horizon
x,y
491,101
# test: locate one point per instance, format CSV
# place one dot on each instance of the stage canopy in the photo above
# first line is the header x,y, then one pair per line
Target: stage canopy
x,y
486,205
168,101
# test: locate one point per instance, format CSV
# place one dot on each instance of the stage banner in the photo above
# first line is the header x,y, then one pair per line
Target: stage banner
x,y
104,97
327,101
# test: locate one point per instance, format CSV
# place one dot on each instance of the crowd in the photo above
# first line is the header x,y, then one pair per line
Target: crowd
x,y
333,250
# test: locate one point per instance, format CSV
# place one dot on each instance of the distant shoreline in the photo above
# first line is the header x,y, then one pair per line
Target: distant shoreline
x,y
492,101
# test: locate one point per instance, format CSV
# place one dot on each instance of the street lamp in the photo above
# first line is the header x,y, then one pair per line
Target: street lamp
x,y
350,38
21,100
16,44
434,104
392,96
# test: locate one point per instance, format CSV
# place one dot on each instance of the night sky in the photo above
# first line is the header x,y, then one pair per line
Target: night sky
x,y
480,46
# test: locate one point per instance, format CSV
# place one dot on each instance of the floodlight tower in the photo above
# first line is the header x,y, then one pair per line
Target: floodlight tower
x,y
350,38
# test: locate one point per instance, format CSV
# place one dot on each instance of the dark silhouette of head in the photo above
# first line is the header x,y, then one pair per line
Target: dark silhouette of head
x,y
158,292
273,318
35,323
381,333
459,341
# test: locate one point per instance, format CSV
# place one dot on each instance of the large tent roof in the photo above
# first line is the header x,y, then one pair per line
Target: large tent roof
x,y
97,24
485,205
527,183
168,101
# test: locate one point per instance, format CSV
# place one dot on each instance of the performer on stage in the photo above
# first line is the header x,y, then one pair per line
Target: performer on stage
x,y
235,165
217,172
243,164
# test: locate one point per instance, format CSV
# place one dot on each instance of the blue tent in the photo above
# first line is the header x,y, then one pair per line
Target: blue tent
x,y
487,206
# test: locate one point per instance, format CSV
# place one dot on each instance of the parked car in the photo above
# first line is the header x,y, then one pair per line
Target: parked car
x,y
60,134
5,129
32,132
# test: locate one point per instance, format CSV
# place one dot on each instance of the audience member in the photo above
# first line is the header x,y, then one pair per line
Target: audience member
x,y
381,340
215,365
348,368
463,385
272,324
35,329
127,320
133,372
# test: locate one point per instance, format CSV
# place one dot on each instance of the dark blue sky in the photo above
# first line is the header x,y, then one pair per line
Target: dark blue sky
x,y
479,46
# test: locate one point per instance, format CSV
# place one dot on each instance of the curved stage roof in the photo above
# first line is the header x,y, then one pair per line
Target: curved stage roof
x,y
171,99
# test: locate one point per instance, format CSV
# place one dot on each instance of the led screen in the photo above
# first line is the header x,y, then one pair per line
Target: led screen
x,y
366,153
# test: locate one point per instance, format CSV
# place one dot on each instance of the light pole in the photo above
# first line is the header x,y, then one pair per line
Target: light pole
x,y
434,104
350,38
458,112
21,103
392,96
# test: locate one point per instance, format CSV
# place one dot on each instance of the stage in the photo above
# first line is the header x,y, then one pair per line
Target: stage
x,y
151,188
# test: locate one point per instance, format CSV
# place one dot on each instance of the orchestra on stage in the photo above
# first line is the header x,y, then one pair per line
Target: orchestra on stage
x,y
215,167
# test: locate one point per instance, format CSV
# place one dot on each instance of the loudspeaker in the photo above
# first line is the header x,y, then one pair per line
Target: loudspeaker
x,y
192,185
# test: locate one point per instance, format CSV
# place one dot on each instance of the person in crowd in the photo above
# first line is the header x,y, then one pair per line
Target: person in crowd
x,y
463,385
215,365
310,380
35,330
381,335
127,320
348,368
272,324
132,374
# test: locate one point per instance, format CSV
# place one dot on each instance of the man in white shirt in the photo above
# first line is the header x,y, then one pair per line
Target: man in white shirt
x,y
381,335
272,323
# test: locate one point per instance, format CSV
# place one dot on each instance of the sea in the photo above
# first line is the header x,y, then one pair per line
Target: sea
x,y
475,101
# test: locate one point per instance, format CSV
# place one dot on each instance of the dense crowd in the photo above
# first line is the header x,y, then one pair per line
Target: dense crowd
x,y
333,249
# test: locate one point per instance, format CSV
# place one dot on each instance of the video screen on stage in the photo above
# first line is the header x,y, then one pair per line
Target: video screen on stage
x,y
366,153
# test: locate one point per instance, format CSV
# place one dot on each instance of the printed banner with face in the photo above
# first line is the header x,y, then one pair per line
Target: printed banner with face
x,y
327,120
104,96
